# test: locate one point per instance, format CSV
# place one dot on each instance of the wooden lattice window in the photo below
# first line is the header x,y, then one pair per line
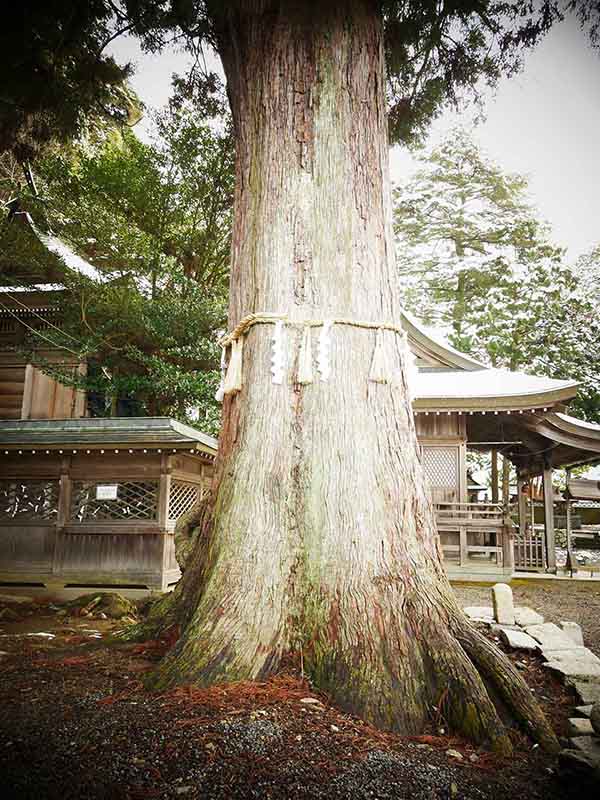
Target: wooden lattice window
x,y
184,498
441,466
28,501
134,500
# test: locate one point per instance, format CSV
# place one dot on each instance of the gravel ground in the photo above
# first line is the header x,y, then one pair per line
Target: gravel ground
x,y
556,600
75,722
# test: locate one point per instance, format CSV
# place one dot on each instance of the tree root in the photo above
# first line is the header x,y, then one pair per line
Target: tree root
x,y
500,674
463,698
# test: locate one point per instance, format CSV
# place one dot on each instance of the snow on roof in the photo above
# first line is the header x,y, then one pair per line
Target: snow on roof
x,y
436,336
484,383
68,256
35,287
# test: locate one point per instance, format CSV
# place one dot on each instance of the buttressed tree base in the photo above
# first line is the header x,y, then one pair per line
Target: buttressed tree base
x,y
320,537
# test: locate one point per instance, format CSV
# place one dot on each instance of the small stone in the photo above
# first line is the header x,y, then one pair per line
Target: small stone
x,y
473,757
102,615
311,701
584,711
525,616
518,640
502,599
573,631
578,726
299,738
454,754
335,728
183,789
595,718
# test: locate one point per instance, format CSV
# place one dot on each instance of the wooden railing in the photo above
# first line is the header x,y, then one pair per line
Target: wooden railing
x,y
489,523
470,513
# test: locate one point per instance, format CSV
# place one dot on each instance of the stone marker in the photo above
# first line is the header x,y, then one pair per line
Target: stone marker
x,y
518,640
550,636
527,616
502,599
480,613
573,631
580,727
588,693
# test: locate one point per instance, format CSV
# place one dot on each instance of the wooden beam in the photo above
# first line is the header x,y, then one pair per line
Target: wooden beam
x,y
549,519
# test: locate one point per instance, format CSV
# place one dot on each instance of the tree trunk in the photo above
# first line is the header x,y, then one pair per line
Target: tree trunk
x,y
320,537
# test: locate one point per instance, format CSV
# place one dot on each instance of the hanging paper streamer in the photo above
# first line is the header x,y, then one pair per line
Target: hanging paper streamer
x,y
305,370
323,360
277,354
378,373
221,390
233,378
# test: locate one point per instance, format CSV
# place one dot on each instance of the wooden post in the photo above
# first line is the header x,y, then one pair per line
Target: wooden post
x,y
27,392
549,519
64,493
520,555
494,476
164,490
571,563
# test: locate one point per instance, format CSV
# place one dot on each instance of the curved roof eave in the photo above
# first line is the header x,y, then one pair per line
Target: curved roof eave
x,y
437,347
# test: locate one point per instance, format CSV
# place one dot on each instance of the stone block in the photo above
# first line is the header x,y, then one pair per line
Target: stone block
x,y
578,726
502,600
573,631
578,664
518,640
587,744
480,613
525,616
584,711
588,693
550,636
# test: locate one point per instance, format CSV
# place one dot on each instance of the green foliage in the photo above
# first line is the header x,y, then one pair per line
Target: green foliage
x,y
156,219
55,77
476,262
437,54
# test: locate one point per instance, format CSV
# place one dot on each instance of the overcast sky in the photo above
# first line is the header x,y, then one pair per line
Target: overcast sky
x,y
544,123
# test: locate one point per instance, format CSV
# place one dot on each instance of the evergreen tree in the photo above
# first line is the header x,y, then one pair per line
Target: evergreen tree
x,y
475,261
156,219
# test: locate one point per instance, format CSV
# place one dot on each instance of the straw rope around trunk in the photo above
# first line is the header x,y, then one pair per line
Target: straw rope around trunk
x,y
231,378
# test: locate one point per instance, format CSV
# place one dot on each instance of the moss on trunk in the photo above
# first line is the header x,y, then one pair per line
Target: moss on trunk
x,y
320,535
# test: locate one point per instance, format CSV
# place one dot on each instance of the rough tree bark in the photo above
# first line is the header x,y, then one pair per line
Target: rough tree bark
x,y
320,537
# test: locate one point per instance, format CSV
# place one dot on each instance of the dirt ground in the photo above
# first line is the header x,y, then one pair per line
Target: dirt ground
x,y
76,722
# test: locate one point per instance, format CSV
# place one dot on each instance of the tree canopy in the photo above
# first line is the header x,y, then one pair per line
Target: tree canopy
x,y
61,78
155,218
475,260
